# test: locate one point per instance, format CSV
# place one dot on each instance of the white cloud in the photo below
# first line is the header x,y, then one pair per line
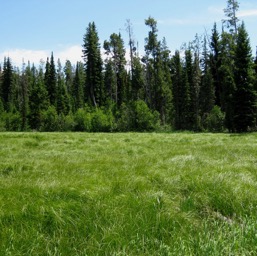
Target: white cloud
x,y
247,13
72,53
18,56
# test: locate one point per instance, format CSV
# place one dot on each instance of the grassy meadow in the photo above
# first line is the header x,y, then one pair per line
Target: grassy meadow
x,y
128,194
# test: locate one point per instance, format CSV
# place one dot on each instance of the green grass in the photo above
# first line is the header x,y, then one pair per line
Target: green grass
x,y
128,194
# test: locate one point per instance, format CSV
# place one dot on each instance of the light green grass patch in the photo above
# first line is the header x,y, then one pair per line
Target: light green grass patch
x,y
128,194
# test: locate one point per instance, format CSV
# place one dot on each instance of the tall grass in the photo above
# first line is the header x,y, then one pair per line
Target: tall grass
x,y
128,194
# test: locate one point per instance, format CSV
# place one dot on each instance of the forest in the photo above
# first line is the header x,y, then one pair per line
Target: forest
x,y
210,84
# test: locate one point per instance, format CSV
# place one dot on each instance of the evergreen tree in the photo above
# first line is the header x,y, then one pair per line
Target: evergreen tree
x,y
110,81
227,80
207,93
158,83
69,76
230,12
24,97
93,66
245,95
62,100
38,101
137,81
215,64
51,80
178,100
78,86
115,48
7,84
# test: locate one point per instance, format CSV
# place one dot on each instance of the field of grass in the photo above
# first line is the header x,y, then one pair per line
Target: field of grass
x,y
128,194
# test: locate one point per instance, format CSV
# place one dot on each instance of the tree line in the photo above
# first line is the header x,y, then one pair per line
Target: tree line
x,y
209,85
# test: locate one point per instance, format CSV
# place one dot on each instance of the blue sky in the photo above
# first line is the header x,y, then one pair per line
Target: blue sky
x,y
31,29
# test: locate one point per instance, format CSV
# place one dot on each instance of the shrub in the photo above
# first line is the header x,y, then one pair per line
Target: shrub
x,y
214,121
138,117
12,121
50,120
82,120
101,121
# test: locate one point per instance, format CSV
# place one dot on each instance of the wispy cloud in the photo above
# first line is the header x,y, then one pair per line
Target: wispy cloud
x,y
247,13
18,56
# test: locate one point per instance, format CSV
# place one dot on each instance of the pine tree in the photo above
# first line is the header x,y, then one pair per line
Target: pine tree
x,y
24,98
230,12
38,101
115,48
227,80
51,80
245,95
62,99
93,66
215,64
78,86
110,81
7,84
178,100
158,83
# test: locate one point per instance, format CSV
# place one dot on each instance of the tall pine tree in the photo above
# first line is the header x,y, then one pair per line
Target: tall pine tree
x,y
245,94
93,66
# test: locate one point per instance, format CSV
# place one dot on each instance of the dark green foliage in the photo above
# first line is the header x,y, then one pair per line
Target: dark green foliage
x,y
214,121
137,117
93,66
245,95
115,50
49,120
7,84
51,81
38,101
78,87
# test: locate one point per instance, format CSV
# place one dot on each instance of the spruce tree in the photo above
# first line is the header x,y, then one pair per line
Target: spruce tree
x,y
62,98
38,101
7,84
93,66
207,93
116,50
51,80
245,95
215,64
178,100
78,86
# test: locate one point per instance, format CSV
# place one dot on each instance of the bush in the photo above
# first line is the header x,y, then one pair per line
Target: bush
x,y
138,117
214,121
82,120
66,123
12,121
101,121
50,120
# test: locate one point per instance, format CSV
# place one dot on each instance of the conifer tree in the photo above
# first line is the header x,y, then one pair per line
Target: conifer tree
x,y
178,100
158,83
207,93
7,84
51,80
78,86
115,48
24,98
38,101
230,12
245,95
215,64
62,101
93,66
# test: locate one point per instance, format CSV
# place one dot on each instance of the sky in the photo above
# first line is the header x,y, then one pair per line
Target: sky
x,y
32,29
